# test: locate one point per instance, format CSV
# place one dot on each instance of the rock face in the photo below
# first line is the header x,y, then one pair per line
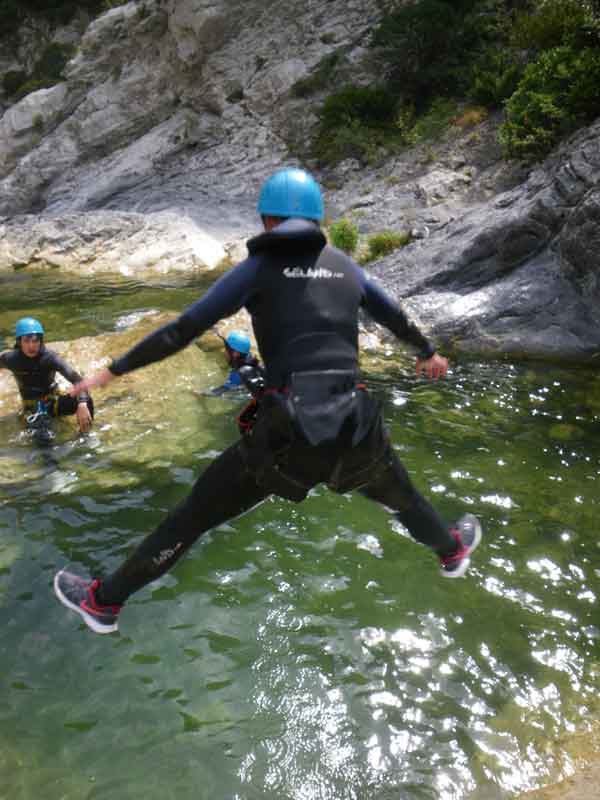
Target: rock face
x,y
149,157
109,241
515,275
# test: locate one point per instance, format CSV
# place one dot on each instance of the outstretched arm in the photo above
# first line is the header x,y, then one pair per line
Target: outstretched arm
x,y
224,298
84,418
387,312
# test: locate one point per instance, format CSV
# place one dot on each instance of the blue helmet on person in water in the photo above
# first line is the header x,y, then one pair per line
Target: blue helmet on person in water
x,y
28,325
291,192
238,341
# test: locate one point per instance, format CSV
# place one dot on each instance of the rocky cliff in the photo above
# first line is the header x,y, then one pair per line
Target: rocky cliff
x,y
150,154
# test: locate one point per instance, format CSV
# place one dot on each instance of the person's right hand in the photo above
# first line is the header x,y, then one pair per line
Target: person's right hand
x,y
434,367
101,378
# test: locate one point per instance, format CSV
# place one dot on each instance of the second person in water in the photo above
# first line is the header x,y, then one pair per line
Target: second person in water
x,y
34,367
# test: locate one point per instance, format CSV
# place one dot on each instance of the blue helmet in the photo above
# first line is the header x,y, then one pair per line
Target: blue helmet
x,y
28,325
291,193
238,341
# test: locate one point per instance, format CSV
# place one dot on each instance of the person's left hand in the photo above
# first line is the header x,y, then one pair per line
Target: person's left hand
x,y
84,418
434,367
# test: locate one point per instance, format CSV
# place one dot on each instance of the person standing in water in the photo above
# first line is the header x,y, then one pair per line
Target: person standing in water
x,y
34,367
315,422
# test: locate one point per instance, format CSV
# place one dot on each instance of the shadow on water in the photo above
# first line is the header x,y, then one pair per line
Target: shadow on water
x,y
308,651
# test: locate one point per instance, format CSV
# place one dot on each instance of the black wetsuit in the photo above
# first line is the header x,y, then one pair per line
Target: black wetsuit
x,y
314,422
234,380
35,379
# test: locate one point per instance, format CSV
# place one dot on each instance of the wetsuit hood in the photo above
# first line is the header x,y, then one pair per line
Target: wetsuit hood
x,y
293,233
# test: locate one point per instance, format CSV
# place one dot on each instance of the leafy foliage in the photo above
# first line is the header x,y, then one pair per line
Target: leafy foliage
x,y
546,24
47,71
426,44
355,122
320,77
494,77
558,93
344,235
537,58
434,121
12,80
383,243
13,13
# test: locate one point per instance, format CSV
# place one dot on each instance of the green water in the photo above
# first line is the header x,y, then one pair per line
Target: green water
x,y
307,652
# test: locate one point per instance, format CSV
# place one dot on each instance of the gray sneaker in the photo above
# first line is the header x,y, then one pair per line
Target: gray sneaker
x,y
467,532
78,594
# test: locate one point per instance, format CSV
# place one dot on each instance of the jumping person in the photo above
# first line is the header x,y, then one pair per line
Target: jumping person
x,y
34,367
238,354
315,422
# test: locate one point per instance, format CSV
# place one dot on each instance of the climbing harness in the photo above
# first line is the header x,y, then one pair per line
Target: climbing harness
x,y
41,413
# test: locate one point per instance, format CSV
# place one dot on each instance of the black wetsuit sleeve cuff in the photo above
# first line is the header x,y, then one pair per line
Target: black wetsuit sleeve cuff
x,y
426,352
116,368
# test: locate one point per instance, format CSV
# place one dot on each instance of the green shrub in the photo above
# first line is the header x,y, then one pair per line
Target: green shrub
x,y
32,85
319,78
558,93
383,243
435,121
550,23
428,45
12,80
10,17
344,235
356,122
48,71
494,78
58,12
372,105
52,61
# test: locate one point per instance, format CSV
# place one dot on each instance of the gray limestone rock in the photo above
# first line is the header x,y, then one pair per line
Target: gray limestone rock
x,y
150,154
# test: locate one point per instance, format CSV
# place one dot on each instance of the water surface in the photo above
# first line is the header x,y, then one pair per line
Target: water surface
x,y
312,651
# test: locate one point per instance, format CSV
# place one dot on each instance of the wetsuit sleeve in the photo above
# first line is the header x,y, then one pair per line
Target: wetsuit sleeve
x,y
384,310
224,298
4,362
58,364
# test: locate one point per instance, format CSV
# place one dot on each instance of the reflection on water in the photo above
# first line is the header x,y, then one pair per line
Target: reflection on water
x,y
308,651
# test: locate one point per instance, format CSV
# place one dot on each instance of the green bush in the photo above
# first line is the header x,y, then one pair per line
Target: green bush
x,y
12,80
319,78
344,235
494,78
59,12
428,45
32,85
10,17
356,122
435,121
48,71
52,61
547,24
383,243
558,93
372,105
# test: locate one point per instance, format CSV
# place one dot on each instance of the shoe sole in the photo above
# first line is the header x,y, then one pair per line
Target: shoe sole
x,y
464,564
90,621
